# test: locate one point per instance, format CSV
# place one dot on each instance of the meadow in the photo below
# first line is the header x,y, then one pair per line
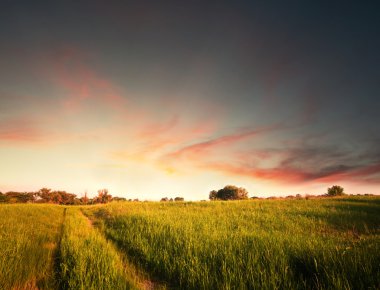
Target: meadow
x,y
263,244
29,236
54,247
330,243
87,260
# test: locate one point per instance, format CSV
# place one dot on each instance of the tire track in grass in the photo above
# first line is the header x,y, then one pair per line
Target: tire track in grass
x,y
57,253
88,261
29,234
141,279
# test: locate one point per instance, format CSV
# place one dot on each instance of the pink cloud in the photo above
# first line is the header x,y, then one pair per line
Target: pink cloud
x,y
153,140
20,130
82,83
296,165
155,128
282,175
368,173
294,175
198,150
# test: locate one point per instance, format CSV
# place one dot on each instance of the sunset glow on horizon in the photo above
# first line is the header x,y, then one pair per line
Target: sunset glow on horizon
x,y
152,100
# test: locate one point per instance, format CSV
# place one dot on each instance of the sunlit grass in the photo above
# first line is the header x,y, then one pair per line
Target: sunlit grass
x,y
293,244
28,243
260,244
88,261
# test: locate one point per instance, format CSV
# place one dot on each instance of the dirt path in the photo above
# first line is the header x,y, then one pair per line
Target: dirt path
x,y
140,277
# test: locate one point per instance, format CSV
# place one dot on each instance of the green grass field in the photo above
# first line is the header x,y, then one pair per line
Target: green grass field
x,y
258,244
29,235
52,247
88,261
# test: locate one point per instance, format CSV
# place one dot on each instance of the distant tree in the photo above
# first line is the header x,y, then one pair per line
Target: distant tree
x,y
56,197
164,199
116,198
179,199
3,198
84,199
44,194
77,201
30,196
335,190
229,192
19,197
12,197
103,196
213,195
66,198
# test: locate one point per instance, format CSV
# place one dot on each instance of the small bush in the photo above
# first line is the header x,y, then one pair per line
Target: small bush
x,y
335,190
229,192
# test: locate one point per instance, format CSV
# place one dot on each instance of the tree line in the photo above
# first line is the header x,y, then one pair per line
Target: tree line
x,y
232,192
46,195
164,199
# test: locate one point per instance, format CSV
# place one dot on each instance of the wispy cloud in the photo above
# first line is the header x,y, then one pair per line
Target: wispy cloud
x,y
153,141
197,150
364,173
72,72
302,165
277,175
154,128
172,140
21,130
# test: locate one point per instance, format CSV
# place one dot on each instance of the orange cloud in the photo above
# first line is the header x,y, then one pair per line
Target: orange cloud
x,y
152,141
284,175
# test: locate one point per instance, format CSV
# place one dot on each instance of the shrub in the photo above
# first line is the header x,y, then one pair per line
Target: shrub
x,y
335,190
229,192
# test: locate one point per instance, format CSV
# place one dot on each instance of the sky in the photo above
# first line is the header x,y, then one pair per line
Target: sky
x,y
177,98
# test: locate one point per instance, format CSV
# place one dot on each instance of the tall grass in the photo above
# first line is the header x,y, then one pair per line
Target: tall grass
x,y
28,243
88,261
297,244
